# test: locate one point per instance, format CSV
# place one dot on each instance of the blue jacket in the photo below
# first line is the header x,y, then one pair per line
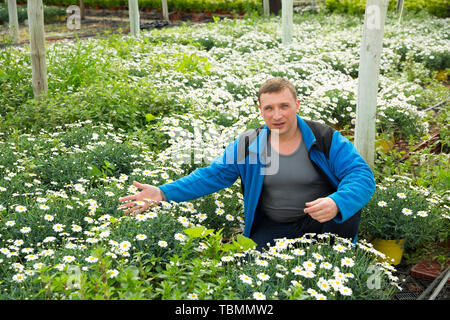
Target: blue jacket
x,y
335,155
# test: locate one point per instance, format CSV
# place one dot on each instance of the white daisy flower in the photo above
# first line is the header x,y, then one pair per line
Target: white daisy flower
x,y
31,257
298,252
125,245
58,227
422,214
10,223
407,212
320,297
162,244
345,291
297,270
68,259
76,228
317,256
323,285
112,273
245,279
382,203
263,276
25,230
192,296
91,259
308,274
326,265
262,263
180,237
259,296
347,262
309,266
226,258
19,277
141,237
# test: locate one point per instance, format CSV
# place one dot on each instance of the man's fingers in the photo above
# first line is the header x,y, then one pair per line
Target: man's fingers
x,y
126,205
312,203
135,210
316,207
127,198
139,185
137,207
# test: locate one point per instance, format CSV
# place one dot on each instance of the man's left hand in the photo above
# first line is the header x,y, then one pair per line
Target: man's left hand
x,y
322,209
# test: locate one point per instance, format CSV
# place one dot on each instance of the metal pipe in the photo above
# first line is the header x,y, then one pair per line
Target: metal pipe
x,y
440,104
441,284
431,286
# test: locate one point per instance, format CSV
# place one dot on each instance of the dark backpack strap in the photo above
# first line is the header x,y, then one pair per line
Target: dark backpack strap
x,y
246,139
323,135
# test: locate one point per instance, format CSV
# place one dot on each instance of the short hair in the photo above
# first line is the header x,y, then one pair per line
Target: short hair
x,y
276,85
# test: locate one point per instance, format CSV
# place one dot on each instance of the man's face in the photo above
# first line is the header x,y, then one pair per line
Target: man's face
x,y
279,110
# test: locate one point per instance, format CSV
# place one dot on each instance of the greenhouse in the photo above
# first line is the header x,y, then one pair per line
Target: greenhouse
x,y
224,150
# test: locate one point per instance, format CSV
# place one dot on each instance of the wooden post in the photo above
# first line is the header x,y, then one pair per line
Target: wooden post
x,y
82,10
266,8
13,20
133,12
37,45
400,5
275,7
287,9
165,10
369,69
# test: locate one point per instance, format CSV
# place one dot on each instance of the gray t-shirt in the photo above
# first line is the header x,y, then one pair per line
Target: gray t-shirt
x,y
297,181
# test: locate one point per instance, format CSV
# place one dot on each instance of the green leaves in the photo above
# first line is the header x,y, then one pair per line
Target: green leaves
x,y
149,117
240,244
198,232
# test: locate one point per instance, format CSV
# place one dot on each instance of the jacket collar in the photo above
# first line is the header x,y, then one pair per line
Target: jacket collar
x,y
259,144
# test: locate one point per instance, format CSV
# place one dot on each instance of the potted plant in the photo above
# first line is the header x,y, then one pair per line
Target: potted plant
x,y
400,216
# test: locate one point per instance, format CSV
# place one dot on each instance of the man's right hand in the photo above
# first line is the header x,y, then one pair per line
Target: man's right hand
x,y
138,203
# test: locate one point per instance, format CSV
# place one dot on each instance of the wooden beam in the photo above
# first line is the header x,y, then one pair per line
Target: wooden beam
x,y
399,5
369,69
37,46
266,8
13,20
82,10
165,10
133,12
287,11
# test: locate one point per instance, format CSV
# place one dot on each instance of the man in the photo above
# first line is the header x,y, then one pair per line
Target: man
x,y
297,176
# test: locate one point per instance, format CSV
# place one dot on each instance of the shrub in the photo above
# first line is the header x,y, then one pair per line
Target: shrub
x,y
438,8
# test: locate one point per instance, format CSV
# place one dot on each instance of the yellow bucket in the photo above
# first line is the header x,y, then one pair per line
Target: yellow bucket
x,y
393,249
